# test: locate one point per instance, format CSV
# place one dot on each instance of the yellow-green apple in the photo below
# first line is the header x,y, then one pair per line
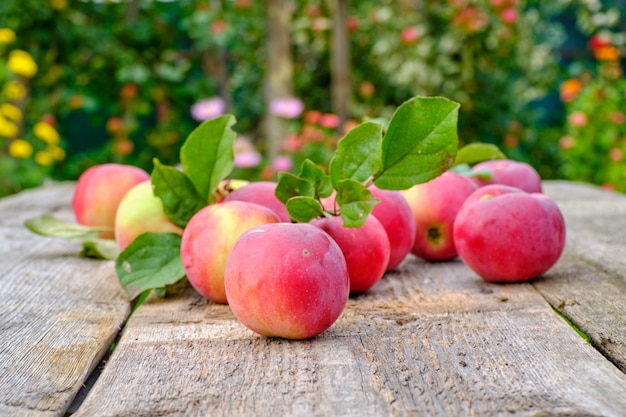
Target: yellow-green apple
x,y
99,191
287,280
506,234
227,186
209,238
508,172
395,215
366,249
434,205
140,211
263,193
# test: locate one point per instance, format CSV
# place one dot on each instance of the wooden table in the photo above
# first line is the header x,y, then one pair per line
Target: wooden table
x,y
431,339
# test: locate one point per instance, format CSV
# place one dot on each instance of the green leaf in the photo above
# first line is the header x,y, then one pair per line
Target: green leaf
x,y
466,171
316,175
178,194
473,153
356,202
358,154
100,249
420,143
207,156
50,226
290,185
304,209
151,261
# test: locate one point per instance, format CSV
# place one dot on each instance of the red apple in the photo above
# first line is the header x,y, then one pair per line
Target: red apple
x,y
261,192
435,205
395,215
287,280
140,211
99,191
365,248
508,172
505,234
209,238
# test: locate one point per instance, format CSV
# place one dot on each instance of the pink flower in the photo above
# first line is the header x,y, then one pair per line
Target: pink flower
x,y
246,156
329,120
577,119
288,108
509,15
566,142
282,163
208,109
618,118
616,155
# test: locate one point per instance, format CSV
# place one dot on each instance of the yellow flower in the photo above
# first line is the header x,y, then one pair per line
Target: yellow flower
x,y
21,63
11,112
47,133
44,158
19,148
6,35
58,4
57,152
8,129
14,90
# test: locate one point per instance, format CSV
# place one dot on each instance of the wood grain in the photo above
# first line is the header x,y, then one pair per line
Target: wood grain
x,y
428,340
59,313
589,284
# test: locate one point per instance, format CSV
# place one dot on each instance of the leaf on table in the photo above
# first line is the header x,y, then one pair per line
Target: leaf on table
x,y
51,226
207,156
151,261
100,249
180,198
420,142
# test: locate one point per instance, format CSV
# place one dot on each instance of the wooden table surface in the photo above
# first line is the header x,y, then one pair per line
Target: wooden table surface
x,y
430,339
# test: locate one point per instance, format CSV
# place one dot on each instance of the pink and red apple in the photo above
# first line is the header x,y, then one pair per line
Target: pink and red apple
x,y
209,238
395,215
505,234
434,205
366,249
508,172
263,193
286,280
140,211
99,191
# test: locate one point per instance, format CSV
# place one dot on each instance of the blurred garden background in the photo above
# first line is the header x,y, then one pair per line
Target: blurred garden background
x,y
86,82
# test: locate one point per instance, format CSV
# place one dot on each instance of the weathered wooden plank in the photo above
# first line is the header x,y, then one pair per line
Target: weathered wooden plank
x,y
589,285
59,313
428,340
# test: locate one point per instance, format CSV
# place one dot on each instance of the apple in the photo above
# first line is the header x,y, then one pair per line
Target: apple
x,y
506,234
140,211
99,191
263,193
209,238
286,280
434,205
227,186
508,172
395,215
366,249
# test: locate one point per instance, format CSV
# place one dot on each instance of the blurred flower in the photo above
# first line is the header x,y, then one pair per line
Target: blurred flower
x,y
349,125
288,108
312,116
6,35
19,148
292,143
353,23
47,133
599,41
511,141
8,129
616,155
282,163
570,89
123,146
115,124
246,155
566,142
367,89
329,120
218,27
58,4
14,90
606,53
44,158
471,19
618,117
129,90
57,152
76,101
11,112
577,119
208,109
409,35
21,63
509,15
